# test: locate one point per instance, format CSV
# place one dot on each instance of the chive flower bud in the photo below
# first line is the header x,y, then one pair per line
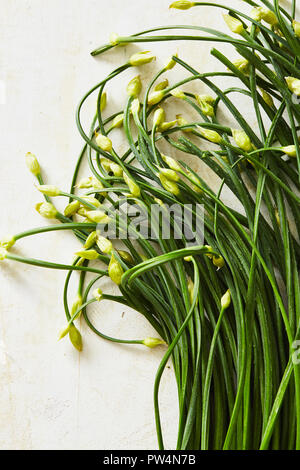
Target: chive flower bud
x,y
169,174
32,163
243,65
105,162
197,182
242,140
104,244
162,85
296,27
226,300
209,248
3,253
133,187
169,185
71,208
210,135
135,106
75,337
235,25
158,117
47,210
165,126
207,98
267,15
116,169
183,122
182,5
113,39
91,240
97,294
190,286
256,14
218,261
76,304
178,93
97,216
205,107
117,121
171,163
155,97
290,150
171,64
103,101
141,58
84,183
126,256
267,98
90,200
7,242
104,143
88,254
134,87
115,270
152,342
49,190
64,332
293,84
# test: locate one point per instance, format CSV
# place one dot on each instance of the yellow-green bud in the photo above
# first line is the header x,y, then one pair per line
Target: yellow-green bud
x,y
152,342
104,143
267,98
169,185
169,174
209,248
126,256
104,244
88,254
190,286
71,208
171,63
293,84
141,58
116,169
205,107
3,253
183,122
76,305
133,187
115,270
103,101
117,121
235,25
91,240
296,27
162,85
49,190
98,294
75,337
97,184
85,183
47,210
195,179
113,39
218,261
243,65
207,98
290,150
210,135
158,117
178,93
64,332
242,140
105,163
155,97
90,200
267,15
97,216
171,163
256,14
226,300
134,87
32,163
164,126
182,5
7,242
135,106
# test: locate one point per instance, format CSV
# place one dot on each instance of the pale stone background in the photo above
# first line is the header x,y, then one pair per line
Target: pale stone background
x,y
52,397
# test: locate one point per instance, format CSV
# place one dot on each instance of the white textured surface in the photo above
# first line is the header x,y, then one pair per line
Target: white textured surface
x,y
50,395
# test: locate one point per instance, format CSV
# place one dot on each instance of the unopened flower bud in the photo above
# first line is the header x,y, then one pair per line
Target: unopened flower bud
x,y
134,87
88,254
218,261
84,183
105,162
3,253
90,200
75,337
290,150
141,58
169,185
242,140
183,122
113,39
235,25
116,169
49,190
178,93
104,143
91,240
115,270
7,242
267,98
103,101
296,27
197,183
135,106
207,98
205,107
117,121
210,135
76,305
98,294
71,208
152,342
64,332
165,126
126,256
47,210
104,244
162,85
256,14
32,163
155,97
169,174
226,300
133,187
243,65
190,286
171,64
97,216
267,15
171,163
182,5
293,84
158,117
